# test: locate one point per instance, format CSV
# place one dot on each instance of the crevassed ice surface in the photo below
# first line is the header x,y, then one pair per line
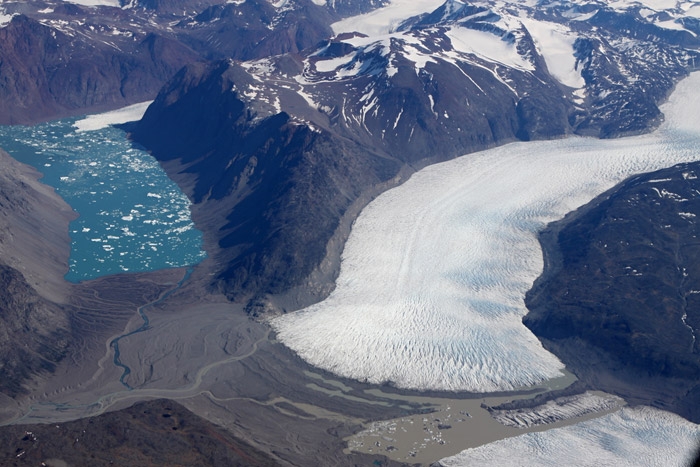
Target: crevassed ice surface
x,y
433,277
132,217
636,437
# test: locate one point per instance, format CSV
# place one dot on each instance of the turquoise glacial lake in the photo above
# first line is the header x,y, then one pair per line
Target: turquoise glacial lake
x,y
132,217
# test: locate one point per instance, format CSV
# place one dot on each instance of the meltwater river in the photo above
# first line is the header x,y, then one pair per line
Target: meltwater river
x,y
133,218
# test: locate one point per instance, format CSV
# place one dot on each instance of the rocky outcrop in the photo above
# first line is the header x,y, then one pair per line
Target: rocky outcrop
x,y
618,301
256,28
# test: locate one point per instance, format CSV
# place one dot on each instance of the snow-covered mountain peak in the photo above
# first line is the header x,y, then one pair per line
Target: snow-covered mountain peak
x,y
490,47
352,56
112,3
597,55
449,12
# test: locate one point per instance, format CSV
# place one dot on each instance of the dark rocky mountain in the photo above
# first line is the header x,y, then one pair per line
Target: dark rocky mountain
x,y
628,68
298,140
281,173
159,432
354,7
256,29
59,59
269,180
619,300
176,8
47,72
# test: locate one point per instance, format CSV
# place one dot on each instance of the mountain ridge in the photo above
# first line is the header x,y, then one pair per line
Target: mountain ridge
x,y
418,95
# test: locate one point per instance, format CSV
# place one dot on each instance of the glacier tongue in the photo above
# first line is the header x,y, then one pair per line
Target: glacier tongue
x,y
386,19
640,436
432,280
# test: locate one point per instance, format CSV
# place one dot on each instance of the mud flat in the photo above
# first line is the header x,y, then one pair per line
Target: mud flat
x,y
453,424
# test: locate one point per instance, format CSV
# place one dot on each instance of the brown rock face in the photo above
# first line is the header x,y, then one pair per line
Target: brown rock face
x,y
46,73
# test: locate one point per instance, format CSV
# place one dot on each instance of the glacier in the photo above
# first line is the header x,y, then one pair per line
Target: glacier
x,y
101,121
431,288
637,437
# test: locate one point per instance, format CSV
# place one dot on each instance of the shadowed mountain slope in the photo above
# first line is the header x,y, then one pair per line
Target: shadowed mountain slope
x,y
619,301
286,178
159,432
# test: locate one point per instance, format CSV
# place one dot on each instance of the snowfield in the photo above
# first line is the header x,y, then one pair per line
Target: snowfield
x,y
386,19
114,3
556,44
433,276
114,117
